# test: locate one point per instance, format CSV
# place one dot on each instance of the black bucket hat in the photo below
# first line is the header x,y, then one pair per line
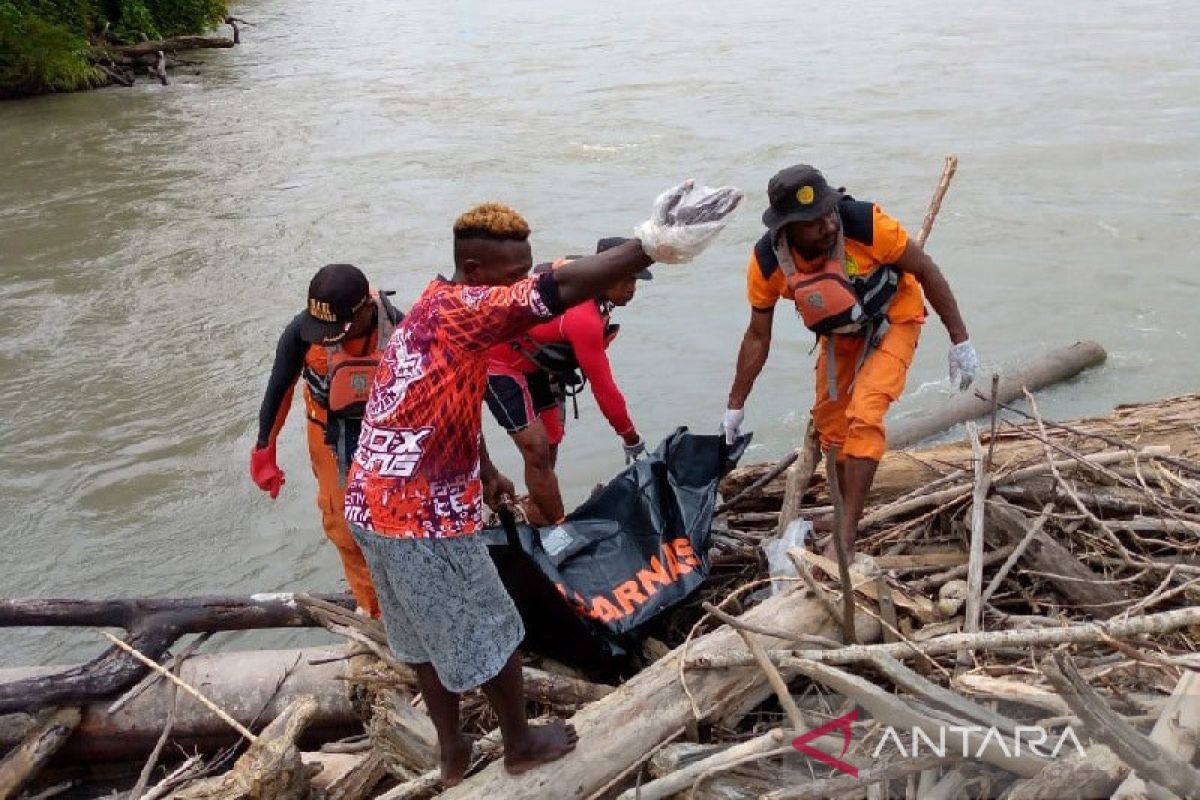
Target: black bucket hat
x,y
798,194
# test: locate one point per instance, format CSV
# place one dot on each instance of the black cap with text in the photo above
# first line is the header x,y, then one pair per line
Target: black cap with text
x,y
335,293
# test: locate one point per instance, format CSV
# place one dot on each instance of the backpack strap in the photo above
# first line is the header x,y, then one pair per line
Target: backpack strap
x,y
385,321
764,254
858,219
395,315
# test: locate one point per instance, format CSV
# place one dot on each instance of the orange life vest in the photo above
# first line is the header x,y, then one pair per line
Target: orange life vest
x,y
831,303
346,383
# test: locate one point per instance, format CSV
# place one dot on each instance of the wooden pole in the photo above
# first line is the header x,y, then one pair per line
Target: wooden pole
x,y
204,701
983,482
839,547
939,194
799,476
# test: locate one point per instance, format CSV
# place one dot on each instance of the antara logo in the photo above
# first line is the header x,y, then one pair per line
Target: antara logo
x,y
974,740
842,724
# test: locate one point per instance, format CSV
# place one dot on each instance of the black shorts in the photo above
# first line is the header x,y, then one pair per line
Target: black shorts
x,y
517,400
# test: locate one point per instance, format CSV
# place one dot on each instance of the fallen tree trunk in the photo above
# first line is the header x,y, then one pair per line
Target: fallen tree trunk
x,y
1093,774
174,45
153,625
252,686
248,685
1050,368
615,733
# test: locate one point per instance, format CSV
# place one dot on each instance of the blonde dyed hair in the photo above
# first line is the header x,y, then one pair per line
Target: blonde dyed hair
x,y
491,221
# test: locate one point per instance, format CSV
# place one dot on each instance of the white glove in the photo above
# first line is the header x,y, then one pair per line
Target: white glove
x,y
634,451
964,363
685,220
731,424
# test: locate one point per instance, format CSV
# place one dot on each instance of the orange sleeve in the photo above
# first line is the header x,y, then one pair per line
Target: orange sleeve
x,y
759,291
889,239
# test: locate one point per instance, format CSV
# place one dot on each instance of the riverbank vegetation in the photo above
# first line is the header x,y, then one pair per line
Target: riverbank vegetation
x,y
61,45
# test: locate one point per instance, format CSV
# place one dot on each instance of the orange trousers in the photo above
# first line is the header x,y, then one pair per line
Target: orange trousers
x,y
853,420
331,499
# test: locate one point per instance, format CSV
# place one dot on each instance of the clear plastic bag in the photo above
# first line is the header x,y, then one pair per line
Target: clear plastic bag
x,y
776,548
685,220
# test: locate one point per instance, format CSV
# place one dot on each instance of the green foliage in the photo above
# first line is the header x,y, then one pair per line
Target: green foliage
x,y
41,55
179,17
132,20
45,44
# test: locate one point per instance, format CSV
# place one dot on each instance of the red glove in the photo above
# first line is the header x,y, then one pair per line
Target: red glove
x,y
264,471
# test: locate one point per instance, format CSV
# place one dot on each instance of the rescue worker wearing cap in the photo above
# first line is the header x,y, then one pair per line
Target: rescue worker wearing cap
x,y
527,379
334,346
860,283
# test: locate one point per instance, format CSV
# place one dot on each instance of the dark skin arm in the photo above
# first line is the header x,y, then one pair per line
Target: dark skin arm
x,y
587,277
917,263
756,344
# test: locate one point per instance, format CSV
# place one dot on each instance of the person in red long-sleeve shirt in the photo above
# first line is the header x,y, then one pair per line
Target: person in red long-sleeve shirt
x,y
526,401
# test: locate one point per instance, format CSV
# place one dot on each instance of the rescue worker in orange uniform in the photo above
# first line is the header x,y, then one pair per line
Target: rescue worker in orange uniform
x,y
334,346
860,284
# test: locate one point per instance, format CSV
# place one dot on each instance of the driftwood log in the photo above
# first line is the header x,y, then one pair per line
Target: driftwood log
x,y
617,732
252,686
1048,369
1177,731
47,737
358,781
1092,775
174,45
1171,422
1149,759
1089,592
271,769
152,625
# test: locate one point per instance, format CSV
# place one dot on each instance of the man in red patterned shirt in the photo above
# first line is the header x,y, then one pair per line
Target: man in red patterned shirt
x,y
420,474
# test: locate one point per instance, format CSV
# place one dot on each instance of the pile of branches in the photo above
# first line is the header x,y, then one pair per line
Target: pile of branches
x,y
1035,593
1041,580
1020,621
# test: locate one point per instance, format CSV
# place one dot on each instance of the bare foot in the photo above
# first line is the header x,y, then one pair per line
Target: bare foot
x,y
543,744
454,761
